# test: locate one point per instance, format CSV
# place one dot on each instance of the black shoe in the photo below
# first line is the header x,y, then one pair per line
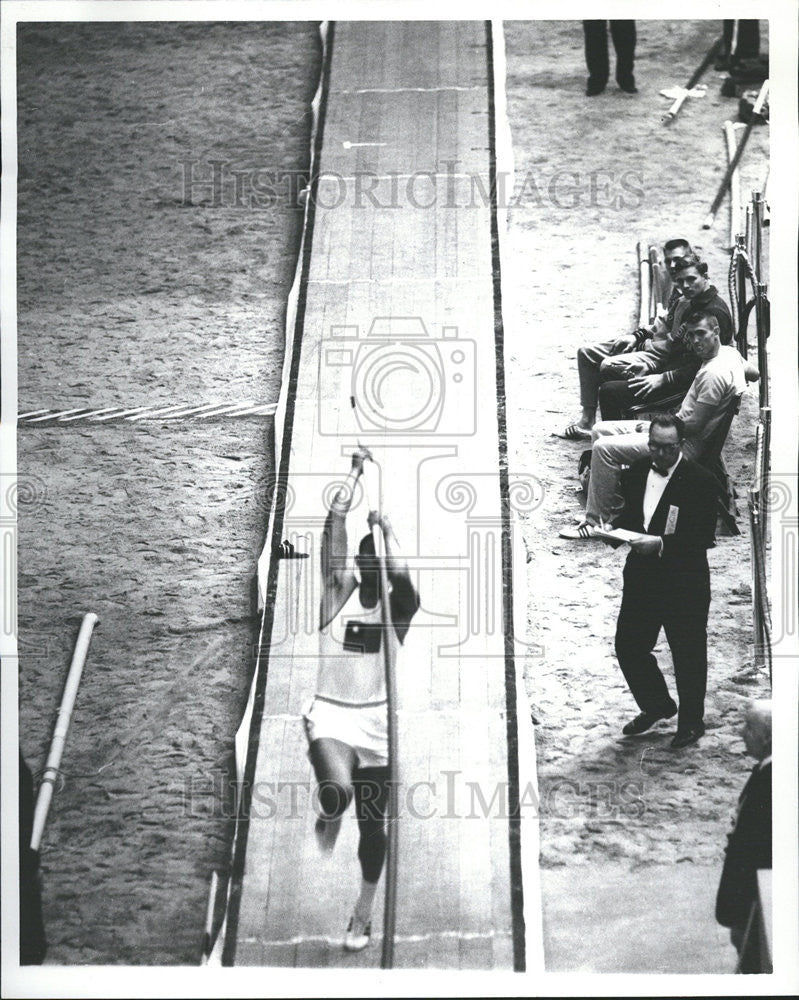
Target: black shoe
x,y
685,737
627,84
594,87
645,721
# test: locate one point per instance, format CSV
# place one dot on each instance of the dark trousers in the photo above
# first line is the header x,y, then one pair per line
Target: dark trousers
x,y
747,45
616,399
678,603
596,48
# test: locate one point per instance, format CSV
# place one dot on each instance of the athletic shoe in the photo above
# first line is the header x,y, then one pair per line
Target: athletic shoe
x,y
359,933
581,533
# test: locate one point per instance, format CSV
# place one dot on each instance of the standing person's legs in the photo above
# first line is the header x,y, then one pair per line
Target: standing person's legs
x,y
596,55
615,444
685,625
747,45
623,35
637,631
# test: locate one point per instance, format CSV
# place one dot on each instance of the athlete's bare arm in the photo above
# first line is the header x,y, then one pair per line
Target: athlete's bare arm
x,y
338,579
404,598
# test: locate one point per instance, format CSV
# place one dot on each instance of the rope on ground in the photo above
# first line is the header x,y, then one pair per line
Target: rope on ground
x,y
137,413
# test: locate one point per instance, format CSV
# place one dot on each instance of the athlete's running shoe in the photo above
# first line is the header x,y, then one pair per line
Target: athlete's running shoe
x,y
359,933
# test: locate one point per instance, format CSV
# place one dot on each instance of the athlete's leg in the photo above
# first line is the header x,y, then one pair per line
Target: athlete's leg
x,y
334,763
371,802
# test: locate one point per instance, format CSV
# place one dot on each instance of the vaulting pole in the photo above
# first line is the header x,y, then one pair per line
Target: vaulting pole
x,y
374,501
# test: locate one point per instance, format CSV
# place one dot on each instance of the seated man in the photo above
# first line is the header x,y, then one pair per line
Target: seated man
x,y
590,358
720,379
663,371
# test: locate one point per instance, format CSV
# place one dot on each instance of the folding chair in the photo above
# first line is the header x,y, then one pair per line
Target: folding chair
x,y
713,460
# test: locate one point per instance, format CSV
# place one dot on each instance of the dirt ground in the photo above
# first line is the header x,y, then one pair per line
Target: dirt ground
x,y
610,806
139,283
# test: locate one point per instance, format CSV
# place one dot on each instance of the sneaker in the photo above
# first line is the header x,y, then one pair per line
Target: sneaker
x,y
582,532
359,933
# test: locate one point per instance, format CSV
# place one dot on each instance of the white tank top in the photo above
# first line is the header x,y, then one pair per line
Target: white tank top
x,y
351,670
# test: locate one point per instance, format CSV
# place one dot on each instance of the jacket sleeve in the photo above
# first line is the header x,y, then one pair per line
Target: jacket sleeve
x,y
680,378
627,518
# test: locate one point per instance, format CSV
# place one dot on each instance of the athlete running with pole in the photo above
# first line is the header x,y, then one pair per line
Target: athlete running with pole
x,y
347,725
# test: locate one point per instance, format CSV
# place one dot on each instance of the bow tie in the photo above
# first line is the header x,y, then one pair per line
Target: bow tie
x,y
659,471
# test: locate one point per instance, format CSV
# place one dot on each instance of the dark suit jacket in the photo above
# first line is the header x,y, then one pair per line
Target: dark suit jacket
x,y
748,848
692,490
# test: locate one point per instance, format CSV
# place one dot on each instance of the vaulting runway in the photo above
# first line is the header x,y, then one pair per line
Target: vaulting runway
x,y
398,305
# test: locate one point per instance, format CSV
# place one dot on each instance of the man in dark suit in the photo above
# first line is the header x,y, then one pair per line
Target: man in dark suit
x,y
749,843
671,503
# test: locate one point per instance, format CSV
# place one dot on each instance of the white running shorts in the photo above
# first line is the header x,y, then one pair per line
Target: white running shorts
x,y
364,728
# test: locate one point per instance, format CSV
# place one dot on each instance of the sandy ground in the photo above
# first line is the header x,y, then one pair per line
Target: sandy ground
x,y
625,811
137,286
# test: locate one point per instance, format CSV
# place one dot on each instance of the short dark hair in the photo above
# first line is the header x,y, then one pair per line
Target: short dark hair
x,y
673,244
691,260
668,420
708,318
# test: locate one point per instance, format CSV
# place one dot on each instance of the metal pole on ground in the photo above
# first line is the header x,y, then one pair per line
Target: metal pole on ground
x,y
758,107
696,76
51,770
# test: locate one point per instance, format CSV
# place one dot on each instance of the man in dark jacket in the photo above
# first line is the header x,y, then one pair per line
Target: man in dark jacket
x,y
592,357
749,843
670,506
660,374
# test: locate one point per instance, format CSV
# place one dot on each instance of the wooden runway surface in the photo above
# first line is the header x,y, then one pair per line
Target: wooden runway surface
x,y
399,305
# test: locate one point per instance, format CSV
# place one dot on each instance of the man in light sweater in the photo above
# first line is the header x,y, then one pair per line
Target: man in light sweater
x,y
660,374
720,380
